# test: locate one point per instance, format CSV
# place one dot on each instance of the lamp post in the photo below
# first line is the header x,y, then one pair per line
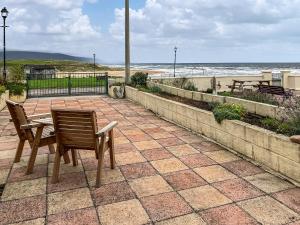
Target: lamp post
x,y
94,55
4,14
127,42
175,52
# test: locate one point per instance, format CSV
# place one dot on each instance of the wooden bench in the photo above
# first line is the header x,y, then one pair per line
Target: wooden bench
x,y
275,90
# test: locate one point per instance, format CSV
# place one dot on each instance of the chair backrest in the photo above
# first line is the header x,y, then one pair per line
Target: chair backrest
x,y
19,118
75,129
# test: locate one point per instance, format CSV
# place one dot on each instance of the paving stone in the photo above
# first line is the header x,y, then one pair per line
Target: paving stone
x,y
138,170
214,173
191,139
168,165
268,183
145,145
290,198
123,213
111,193
167,142
3,175
190,219
184,179
197,160
268,211
181,150
222,156
122,148
66,168
204,197
242,168
227,215
156,154
39,221
6,164
165,206
59,202
19,173
22,209
108,176
160,135
237,189
67,181
24,189
147,186
78,217
40,160
129,158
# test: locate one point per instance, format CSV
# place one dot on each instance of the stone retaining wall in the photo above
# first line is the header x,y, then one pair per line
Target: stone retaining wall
x,y
265,147
251,106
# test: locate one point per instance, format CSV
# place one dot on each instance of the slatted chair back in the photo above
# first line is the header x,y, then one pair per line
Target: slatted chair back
x,y
75,129
19,118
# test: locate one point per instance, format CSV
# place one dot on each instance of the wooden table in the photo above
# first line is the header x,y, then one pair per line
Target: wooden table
x,y
240,84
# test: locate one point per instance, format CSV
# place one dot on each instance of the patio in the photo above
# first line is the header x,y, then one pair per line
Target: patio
x,y
165,175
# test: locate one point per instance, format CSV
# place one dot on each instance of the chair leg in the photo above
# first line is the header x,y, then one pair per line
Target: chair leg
x,y
34,150
74,157
19,151
66,157
51,149
112,150
55,173
100,161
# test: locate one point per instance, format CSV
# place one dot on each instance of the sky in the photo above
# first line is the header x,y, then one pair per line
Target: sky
x,y
203,30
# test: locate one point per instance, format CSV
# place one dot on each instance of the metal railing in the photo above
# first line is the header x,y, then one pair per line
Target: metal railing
x,y
48,85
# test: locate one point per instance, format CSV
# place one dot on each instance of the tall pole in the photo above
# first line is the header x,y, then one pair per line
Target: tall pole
x,y
127,43
4,50
175,52
94,64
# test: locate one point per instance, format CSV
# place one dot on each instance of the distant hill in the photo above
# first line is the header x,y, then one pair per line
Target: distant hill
x,y
15,55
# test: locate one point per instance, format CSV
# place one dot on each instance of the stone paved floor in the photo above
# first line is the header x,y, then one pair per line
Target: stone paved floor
x,y
165,175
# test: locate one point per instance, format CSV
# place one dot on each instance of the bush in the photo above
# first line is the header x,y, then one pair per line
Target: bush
x,y
16,74
259,97
15,88
229,112
139,78
149,90
180,82
225,93
2,89
190,86
209,90
270,123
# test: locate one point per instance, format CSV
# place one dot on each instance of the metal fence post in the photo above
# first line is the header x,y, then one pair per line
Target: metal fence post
x,y
106,80
69,84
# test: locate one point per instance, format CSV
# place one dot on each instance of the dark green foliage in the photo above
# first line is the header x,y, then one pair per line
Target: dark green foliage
x,y
180,82
15,88
190,86
225,93
209,90
149,89
16,73
229,112
287,128
270,123
259,97
2,89
139,78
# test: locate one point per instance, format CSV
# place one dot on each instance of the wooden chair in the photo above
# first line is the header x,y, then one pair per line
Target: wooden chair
x,y
36,134
77,129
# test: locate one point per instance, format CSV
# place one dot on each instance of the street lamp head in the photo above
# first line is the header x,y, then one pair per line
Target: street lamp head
x,y
4,13
175,49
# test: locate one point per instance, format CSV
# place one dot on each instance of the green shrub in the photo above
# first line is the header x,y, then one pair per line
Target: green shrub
x,y
229,112
139,78
270,123
2,89
209,90
259,97
15,88
180,82
16,73
190,86
149,90
225,93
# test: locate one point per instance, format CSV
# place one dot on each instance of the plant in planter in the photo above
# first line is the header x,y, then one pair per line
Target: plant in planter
x,y
229,112
139,78
2,89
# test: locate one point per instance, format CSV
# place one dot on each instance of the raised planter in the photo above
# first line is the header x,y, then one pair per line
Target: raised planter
x,y
267,148
251,106
19,98
3,98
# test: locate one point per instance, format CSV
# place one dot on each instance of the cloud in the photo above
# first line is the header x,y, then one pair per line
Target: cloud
x,y
211,25
51,25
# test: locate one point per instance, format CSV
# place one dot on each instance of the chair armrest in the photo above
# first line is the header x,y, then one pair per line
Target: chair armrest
x,y
39,116
106,129
31,125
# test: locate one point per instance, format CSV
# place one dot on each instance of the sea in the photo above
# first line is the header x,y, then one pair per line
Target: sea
x,y
214,69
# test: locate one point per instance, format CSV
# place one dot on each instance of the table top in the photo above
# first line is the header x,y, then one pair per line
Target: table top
x,y
45,121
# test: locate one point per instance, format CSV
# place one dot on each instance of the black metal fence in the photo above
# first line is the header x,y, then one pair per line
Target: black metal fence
x,y
65,84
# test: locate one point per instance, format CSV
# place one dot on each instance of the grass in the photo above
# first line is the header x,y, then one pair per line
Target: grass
x,y
63,83
63,65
